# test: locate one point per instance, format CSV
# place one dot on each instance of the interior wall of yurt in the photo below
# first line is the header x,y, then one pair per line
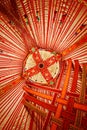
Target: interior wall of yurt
x,y
43,64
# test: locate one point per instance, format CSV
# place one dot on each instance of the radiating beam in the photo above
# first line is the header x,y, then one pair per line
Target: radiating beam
x,y
75,45
8,86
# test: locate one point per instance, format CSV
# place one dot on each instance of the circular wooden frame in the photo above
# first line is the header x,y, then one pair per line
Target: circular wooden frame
x,y
42,66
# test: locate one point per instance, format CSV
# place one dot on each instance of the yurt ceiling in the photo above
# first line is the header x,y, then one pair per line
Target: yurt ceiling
x,y
43,64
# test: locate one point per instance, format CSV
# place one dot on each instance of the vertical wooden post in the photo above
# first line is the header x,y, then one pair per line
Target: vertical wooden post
x,y
70,118
63,94
54,99
81,97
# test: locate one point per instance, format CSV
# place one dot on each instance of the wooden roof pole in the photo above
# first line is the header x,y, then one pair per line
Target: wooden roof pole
x,y
75,45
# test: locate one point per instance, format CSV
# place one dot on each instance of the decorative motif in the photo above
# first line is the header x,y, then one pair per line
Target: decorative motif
x,y
10,85
41,66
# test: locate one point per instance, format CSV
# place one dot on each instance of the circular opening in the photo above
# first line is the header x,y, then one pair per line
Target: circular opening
x,y
41,65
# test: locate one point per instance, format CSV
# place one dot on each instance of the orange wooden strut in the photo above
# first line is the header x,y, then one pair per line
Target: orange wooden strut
x,y
53,100
75,45
81,97
68,114
59,100
63,94
10,85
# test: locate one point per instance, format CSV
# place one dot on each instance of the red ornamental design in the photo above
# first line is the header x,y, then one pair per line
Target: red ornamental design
x,y
41,66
